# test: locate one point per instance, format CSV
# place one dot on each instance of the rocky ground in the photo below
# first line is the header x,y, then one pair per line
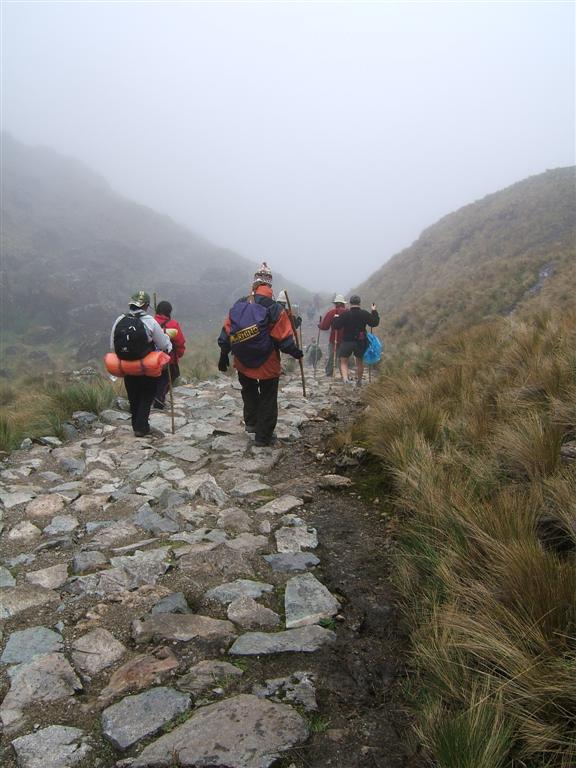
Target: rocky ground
x,y
192,600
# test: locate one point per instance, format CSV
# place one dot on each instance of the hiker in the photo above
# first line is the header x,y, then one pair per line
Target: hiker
x,y
256,330
326,323
133,336
313,353
172,371
353,324
294,317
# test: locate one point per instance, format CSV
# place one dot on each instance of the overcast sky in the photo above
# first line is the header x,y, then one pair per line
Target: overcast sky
x,y
321,137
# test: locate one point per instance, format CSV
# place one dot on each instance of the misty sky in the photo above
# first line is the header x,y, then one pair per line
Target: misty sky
x,y
321,137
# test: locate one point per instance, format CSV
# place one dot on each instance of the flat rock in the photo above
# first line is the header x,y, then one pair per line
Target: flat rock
x,y
142,715
27,644
18,599
24,531
234,519
225,593
96,650
248,614
206,487
286,562
298,688
247,542
47,505
334,481
184,452
13,499
217,563
88,504
50,578
57,746
302,640
248,488
182,628
280,506
140,672
61,524
174,603
295,539
88,561
307,601
151,521
45,678
241,732
113,533
207,674
6,578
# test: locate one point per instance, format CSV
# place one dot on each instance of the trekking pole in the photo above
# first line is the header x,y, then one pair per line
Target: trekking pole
x,y
317,347
296,338
334,359
171,397
169,380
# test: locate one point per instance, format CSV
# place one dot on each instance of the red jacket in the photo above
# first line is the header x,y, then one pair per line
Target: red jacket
x,y
178,342
326,323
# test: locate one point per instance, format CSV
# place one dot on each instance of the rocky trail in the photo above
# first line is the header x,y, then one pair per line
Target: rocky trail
x,y
192,600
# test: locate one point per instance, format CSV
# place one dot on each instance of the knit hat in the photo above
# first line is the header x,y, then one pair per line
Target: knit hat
x,y
339,299
164,308
263,275
140,299
355,301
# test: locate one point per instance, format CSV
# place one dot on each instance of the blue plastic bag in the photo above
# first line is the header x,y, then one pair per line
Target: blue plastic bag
x,y
373,352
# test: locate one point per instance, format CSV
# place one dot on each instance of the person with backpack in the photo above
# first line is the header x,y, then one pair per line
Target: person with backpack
x,y
256,330
133,336
353,324
327,323
172,371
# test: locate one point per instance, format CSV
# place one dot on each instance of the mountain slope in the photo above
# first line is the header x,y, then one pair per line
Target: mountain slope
x,y
481,261
73,251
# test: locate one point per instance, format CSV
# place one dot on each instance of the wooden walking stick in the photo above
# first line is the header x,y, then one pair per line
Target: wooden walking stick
x,y
317,347
169,379
296,339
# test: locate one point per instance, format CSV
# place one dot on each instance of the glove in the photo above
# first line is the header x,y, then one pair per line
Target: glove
x,y
223,363
297,354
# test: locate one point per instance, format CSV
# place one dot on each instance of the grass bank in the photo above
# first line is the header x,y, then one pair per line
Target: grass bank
x,y
471,437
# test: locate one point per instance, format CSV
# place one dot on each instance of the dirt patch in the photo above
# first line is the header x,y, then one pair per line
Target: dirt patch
x,y
362,721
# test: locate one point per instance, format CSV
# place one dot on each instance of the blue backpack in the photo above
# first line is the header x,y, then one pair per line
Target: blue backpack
x,y
373,352
249,335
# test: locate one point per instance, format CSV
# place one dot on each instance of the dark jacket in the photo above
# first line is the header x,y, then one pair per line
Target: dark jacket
x,y
353,323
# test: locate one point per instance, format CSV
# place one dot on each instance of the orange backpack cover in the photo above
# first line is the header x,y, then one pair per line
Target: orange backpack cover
x,y
151,365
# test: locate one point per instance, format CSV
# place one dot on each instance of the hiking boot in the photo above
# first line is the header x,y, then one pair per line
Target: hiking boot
x,y
251,429
141,434
158,405
265,443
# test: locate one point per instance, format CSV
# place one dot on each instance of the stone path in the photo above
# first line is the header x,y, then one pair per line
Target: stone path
x,y
140,577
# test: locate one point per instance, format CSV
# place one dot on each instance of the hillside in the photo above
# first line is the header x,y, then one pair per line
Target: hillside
x,y
482,261
73,251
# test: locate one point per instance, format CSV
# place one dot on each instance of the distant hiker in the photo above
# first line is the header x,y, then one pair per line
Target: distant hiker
x,y
293,315
353,323
133,336
313,353
256,330
326,323
174,331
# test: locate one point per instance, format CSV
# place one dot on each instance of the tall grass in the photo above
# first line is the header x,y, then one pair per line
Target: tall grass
x,y
485,559
40,408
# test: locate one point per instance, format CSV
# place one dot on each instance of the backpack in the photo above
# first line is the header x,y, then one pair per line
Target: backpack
x,y
130,339
373,353
249,335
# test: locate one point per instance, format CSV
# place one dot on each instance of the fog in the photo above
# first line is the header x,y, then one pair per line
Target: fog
x,y
321,137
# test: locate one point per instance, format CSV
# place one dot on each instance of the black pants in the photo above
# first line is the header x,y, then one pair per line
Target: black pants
x,y
140,391
260,398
